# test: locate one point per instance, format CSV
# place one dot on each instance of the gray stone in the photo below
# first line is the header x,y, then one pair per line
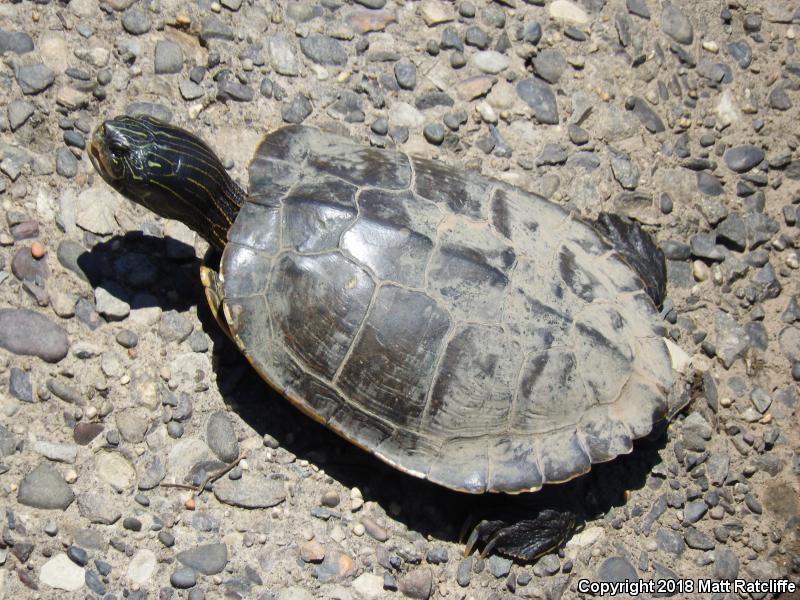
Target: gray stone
x,y
208,559
697,540
743,158
252,491
732,232
221,437
135,21
648,117
540,97
625,170
731,339
740,52
616,569
726,565
708,184
323,50
477,37
214,28
26,332
434,133
550,64
183,578
110,301
66,163
281,55
150,109
44,488
168,57
694,511
231,89
532,33
8,442
33,79
492,62
430,100
132,424
676,24
17,42
174,327
638,8
19,385
190,90
779,99
499,566
56,451
669,541
152,475
19,111
297,110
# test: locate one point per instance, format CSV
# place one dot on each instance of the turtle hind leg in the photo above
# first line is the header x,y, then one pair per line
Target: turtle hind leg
x,y
639,250
525,539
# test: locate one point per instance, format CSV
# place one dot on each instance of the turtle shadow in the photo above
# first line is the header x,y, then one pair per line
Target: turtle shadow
x,y
144,271
427,509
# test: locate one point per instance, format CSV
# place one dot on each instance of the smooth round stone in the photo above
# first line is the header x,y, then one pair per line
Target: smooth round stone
x,y
323,50
568,11
29,333
135,21
490,61
17,42
477,37
66,163
532,33
184,578
779,99
33,79
434,133
252,492
45,488
743,158
796,370
297,110
417,583
78,555
616,569
406,75
27,268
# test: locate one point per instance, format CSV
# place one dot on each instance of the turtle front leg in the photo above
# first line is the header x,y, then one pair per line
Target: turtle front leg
x,y
524,539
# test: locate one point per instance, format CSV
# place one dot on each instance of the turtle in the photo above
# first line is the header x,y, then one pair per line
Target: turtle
x,y
460,329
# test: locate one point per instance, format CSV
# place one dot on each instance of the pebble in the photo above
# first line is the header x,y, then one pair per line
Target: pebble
x,y
252,491
8,442
17,42
568,11
19,385
648,117
336,566
183,578
19,111
281,55
221,437
638,8
369,586
741,52
676,24
743,158
25,332
726,564
142,566
550,64
464,571
33,79
208,559
56,451
297,110
214,28
489,61
323,50
66,163
45,488
78,555
168,57
115,469
135,21
417,583
540,97
434,133
61,573
616,569
435,13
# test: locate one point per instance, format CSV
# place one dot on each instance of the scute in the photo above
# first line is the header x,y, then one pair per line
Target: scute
x,y
459,328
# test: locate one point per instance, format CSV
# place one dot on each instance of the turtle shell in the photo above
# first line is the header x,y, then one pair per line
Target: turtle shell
x,y
458,328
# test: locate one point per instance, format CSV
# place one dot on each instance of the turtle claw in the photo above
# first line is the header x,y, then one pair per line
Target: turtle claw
x,y
524,539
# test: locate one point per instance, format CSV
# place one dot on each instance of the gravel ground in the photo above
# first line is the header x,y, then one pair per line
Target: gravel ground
x,y
116,383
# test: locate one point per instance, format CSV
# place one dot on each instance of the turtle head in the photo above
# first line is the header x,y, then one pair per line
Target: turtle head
x,y
168,170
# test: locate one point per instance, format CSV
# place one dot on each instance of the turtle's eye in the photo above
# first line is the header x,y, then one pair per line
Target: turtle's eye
x,y
117,142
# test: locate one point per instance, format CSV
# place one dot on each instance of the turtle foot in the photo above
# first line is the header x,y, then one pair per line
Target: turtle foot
x,y
524,539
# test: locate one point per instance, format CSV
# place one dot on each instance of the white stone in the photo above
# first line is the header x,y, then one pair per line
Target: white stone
x,y
186,453
54,50
568,11
369,585
490,61
583,539
109,305
61,573
727,109
678,356
405,115
115,469
142,566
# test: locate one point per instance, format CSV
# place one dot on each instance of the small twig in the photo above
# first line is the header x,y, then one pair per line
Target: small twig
x,y
211,478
